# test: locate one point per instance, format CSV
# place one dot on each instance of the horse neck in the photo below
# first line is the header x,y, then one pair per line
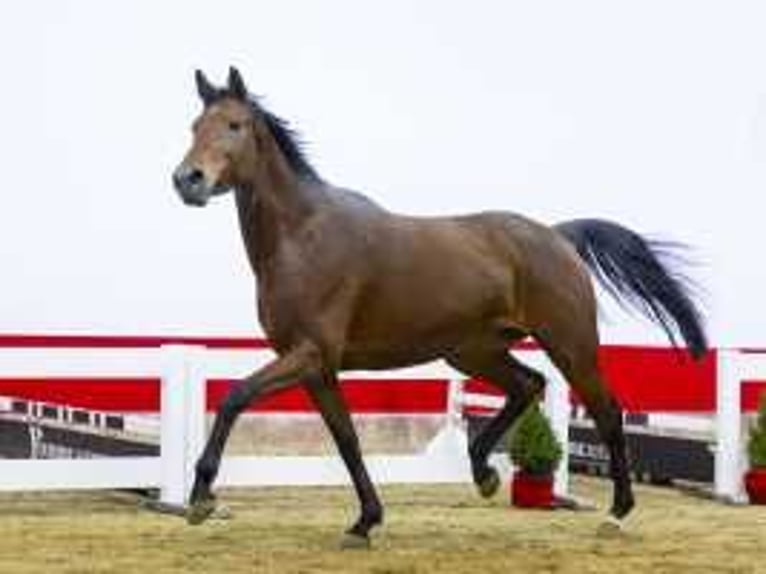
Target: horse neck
x,y
272,205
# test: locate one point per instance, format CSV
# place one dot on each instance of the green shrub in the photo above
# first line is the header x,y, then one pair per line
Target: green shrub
x,y
756,445
532,445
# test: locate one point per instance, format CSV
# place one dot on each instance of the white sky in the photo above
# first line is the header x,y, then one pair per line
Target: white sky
x,y
652,113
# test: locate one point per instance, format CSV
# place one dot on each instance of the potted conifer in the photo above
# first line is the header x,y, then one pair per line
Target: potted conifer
x,y
755,478
535,452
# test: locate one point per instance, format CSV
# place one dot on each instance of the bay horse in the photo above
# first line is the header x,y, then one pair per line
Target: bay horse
x,y
344,284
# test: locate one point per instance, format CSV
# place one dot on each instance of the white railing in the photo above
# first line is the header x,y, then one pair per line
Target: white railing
x,y
184,370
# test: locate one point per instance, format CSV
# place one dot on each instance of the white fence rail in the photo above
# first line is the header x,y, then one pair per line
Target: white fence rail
x,y
183,371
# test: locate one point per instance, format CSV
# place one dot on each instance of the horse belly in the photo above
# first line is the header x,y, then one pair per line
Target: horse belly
x,y
401,331
387,357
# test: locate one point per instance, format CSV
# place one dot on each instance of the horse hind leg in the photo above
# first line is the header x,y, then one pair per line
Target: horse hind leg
x,y
579,365
521,385
607,415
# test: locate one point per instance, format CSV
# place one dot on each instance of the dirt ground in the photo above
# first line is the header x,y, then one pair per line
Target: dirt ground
x,y
440,529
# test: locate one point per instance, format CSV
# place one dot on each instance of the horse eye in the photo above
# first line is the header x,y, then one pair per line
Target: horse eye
x,y
235,126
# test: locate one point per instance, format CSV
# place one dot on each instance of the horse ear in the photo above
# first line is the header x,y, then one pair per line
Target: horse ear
x,y
237,86
205,89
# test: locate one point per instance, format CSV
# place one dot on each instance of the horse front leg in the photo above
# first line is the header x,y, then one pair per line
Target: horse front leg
x,y
329,401
290,369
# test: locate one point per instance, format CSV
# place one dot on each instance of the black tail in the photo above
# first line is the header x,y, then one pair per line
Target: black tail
x,y
632,270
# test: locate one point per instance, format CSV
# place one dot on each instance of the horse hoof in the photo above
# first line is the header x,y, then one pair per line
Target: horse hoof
x,y
200,511
611,527
351,541
489,485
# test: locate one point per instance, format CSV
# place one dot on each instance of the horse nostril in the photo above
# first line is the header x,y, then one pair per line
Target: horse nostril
x,y
186,177
195,176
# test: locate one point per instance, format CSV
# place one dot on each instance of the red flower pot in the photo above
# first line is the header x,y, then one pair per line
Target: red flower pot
x,y
755,485
532,491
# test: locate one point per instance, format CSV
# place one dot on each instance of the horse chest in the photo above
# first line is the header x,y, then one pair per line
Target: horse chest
x,y
276,315
288,302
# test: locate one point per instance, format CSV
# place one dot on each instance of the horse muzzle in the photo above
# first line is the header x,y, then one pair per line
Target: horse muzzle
x,y
194,188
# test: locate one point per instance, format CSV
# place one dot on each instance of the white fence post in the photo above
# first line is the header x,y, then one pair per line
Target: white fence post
x,y
455,402
558,410
182,426
728,452
452,441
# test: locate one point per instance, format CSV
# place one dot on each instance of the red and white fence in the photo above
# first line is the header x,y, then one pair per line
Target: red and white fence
x,y
189,373
183,372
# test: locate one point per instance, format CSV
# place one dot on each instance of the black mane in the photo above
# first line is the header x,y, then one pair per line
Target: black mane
x,y
288,140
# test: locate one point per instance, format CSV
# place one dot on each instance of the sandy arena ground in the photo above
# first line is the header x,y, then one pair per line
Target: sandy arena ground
x,y
440,529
